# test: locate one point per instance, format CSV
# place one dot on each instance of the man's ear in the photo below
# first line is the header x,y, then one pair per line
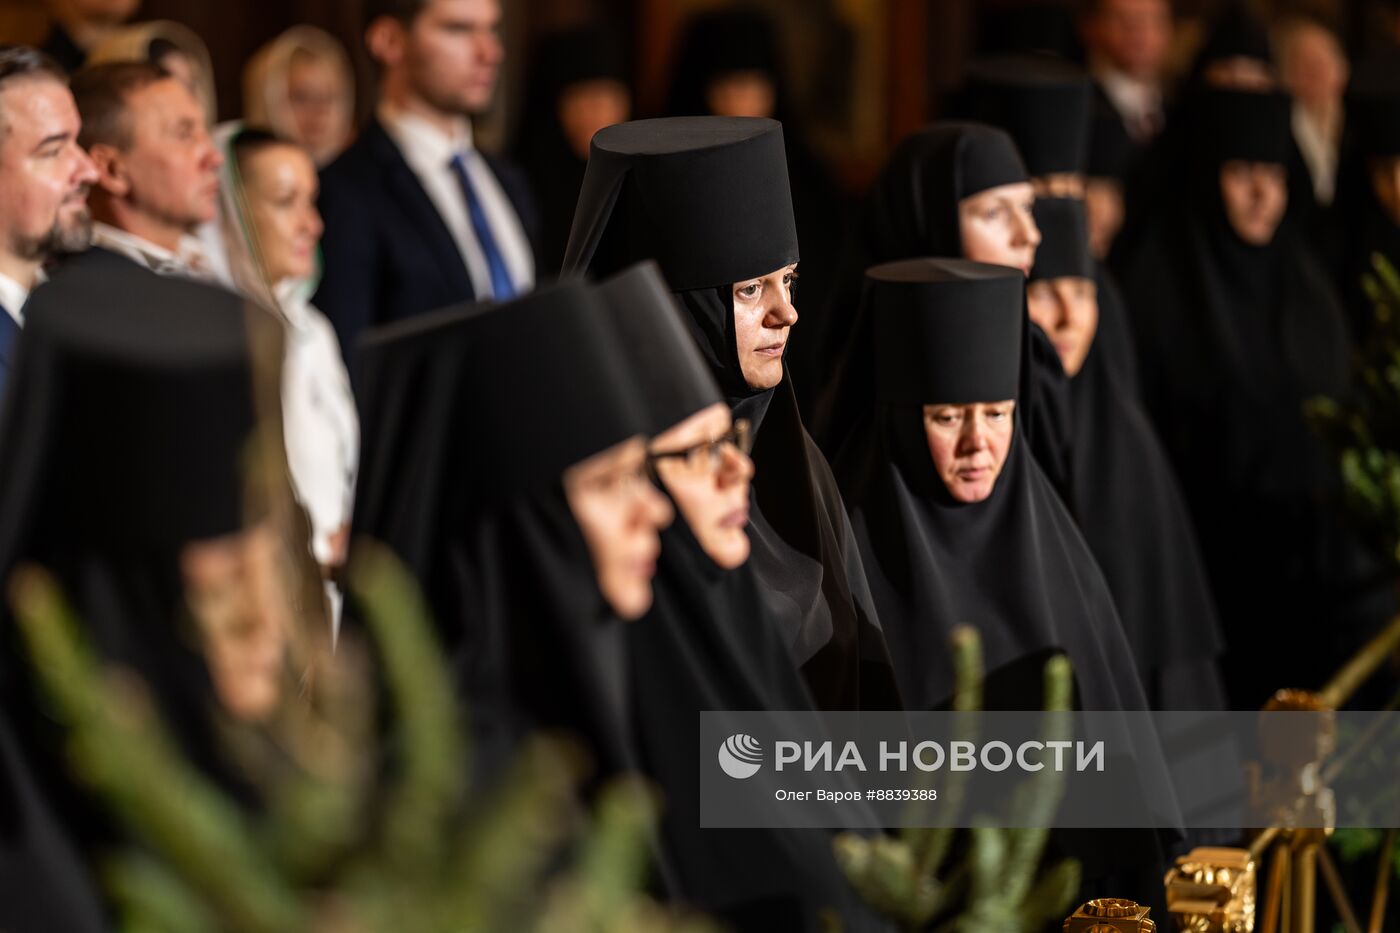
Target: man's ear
x,y
112,175
386,38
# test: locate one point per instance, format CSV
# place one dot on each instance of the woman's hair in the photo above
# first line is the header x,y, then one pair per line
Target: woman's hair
x,y
251,140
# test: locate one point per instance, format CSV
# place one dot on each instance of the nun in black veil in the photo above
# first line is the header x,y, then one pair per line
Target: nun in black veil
x,y
707,198
142,470
706,643
954,190
1046,105
577,84
1130,506
959,525
729,63
527,515
1239,326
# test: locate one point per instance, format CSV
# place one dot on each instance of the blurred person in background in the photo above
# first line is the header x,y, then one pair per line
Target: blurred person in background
x,y
1314,70
302,87
44,181
173,47
729,63
79,25
158,170
271,231
418,218
576,86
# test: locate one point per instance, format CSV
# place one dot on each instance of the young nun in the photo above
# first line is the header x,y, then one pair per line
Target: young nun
x,y
707,198
1239,327
959,526
1046,106
706,643
143,471
1130,506
729,62
954,190
505,462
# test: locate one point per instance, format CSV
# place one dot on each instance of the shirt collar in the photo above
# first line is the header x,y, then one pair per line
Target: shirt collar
x,y
1134,95
188,261
13,296
423,142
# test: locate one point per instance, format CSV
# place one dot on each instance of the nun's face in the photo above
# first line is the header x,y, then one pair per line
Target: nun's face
x,y
240,598
1067,309
998,226
741,94
1385,182
585,107
763,315
621,515
969,444
1255,195
704,464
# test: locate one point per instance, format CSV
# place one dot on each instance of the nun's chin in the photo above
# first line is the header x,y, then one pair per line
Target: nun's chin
x,y
629,600
762,371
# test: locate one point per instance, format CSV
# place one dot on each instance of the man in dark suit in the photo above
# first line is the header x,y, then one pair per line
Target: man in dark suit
x,y
44,180
416,217
1128,42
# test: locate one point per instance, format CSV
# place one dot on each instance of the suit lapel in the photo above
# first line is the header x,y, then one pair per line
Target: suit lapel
x,y
409,194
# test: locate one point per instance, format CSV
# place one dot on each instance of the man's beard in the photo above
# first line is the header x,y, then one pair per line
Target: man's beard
x,y
72,236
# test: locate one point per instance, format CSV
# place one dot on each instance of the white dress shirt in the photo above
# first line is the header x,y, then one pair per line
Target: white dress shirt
x,y
1139,103
190,261
1319,148
429,152
12,297
320,424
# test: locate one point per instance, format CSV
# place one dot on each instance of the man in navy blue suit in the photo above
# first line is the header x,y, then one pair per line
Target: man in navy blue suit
x,y
416,217
44,180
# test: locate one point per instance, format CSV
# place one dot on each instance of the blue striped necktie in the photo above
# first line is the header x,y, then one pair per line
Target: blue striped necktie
x,y
501,286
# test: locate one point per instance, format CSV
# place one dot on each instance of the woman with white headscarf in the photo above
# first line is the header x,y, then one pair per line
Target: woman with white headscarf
x,y
302,87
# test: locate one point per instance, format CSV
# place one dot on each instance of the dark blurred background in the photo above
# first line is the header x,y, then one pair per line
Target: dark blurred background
x,y
863,72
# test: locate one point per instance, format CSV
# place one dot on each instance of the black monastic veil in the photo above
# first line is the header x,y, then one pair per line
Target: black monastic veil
x,y
1013,566
463,478
1130,506
707,644
707,198
1235,337
911,211
131,418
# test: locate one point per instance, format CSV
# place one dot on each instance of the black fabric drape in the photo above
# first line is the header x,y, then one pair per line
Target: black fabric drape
x,y
1234,339
707,198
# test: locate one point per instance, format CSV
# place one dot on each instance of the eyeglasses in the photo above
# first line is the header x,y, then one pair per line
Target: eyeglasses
x,y
710,454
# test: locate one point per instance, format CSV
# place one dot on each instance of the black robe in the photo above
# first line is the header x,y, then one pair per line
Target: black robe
x,y
668,189
910,211
118,453
1233,339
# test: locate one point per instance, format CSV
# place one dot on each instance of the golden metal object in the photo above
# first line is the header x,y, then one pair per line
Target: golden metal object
x,y
1213,890
1362,665
1110,915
